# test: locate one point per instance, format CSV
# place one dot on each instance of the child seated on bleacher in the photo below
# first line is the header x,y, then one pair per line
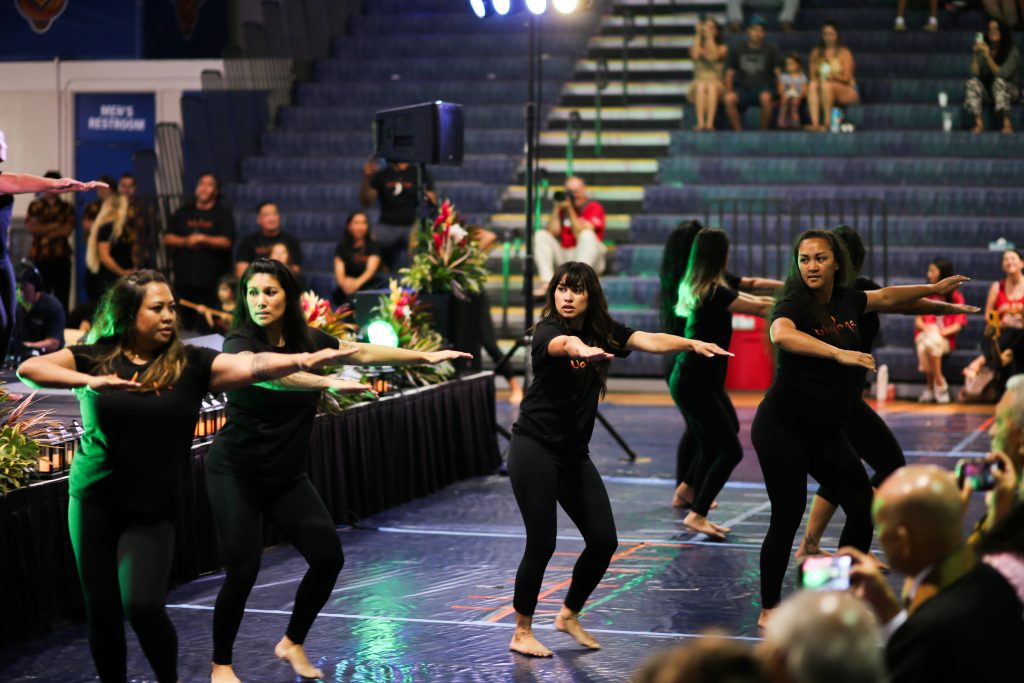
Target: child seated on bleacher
x,y
792,91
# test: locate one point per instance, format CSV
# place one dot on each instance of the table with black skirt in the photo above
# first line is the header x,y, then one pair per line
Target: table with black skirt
x,y
370,457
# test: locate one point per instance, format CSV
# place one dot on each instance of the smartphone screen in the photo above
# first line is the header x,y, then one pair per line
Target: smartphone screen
x,y
826,573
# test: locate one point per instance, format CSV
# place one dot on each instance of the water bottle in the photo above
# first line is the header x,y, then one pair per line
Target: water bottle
x,y
882,384
836,119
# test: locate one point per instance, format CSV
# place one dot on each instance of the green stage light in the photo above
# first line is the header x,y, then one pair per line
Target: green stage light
x,y
381,332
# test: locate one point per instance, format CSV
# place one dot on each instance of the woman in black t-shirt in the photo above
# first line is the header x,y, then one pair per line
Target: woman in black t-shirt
x,y
356,260
110,250
798,428
697,383
140,391
549,461
257,464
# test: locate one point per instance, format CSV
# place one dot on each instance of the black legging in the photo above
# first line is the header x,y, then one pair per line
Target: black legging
x,y
8,302
124,564
873,441
540,479
298,512
711,418
787,455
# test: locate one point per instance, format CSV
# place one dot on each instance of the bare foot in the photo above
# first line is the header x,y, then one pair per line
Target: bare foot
x,y
978,128
524,643
295,654
809,548
567,622
701,525
684,495
763,618
223,673
1007,127
515,392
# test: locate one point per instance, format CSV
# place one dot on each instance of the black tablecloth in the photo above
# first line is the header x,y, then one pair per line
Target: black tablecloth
x,y
367,459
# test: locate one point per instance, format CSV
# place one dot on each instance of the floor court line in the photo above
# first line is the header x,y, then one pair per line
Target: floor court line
x,y
455,622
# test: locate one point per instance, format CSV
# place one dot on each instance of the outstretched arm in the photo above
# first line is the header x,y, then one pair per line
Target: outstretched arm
x,y
58,371
659,342
889,299
18,183
235,371
375,354
787,337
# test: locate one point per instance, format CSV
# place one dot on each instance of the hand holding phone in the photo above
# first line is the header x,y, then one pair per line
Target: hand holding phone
x,y
979,472
826,573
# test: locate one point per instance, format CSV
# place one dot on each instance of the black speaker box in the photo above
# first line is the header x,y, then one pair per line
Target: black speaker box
x,y
427,133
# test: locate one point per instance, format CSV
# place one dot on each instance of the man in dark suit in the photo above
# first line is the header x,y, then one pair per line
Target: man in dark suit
x,y
960,620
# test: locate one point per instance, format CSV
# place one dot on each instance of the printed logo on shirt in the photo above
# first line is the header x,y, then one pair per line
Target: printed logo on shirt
x,y
836,327
578,364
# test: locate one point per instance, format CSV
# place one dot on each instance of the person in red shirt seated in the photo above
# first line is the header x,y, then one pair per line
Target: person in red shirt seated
x,y
575,232
935,337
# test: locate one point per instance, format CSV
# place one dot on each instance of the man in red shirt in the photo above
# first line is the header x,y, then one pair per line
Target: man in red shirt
x,y
575,232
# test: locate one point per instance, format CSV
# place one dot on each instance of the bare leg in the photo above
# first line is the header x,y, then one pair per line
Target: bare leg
x,y
523,640
714,92
732,110
766,614
936,379
515,391
568,621
827,101
685,495
979,125
223,673
295,654
766,110
700,103
821,515
813,103
1007,125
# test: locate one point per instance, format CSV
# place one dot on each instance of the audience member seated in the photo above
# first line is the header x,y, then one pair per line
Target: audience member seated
x,y
832,81
1006,461
357,260
110,252
40,318
963,620
1004,341
710,659
823,637
935,337
51,221
708,53
280,251
995,67
394,186
901,12
751,71
787,11
575,232
258,244
200,236
792,91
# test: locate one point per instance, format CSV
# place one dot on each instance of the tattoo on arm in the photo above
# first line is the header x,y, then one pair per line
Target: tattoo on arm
x,y
260,366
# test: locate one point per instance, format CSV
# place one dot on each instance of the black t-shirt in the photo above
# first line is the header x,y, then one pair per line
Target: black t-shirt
x,y
396,191
45,320
121,248
815,392
677,325
711,322
135,443
560,406
267,431
870,325
201,268
258,245
355,258
754,67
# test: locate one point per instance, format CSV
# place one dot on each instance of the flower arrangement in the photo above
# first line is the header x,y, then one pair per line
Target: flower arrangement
x,y
409,317
335,322
19,431
447,258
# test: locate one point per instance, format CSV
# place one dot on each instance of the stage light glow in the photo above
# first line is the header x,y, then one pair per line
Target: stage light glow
x,y
381,332
565,6
537,6
478,8
501,6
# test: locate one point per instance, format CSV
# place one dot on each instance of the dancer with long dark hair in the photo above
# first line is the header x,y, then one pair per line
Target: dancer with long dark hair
x,y
799,426
140,391
673,265
867,432
257,464
549,462
697,383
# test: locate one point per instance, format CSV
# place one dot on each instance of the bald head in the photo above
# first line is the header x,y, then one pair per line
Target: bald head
x,y
919,514
1007,430
823,637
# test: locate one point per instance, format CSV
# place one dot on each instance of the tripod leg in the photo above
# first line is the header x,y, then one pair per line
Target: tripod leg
x,y
618,437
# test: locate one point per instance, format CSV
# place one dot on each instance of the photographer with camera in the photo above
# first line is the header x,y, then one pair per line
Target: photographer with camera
x,y
959,620
575,232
